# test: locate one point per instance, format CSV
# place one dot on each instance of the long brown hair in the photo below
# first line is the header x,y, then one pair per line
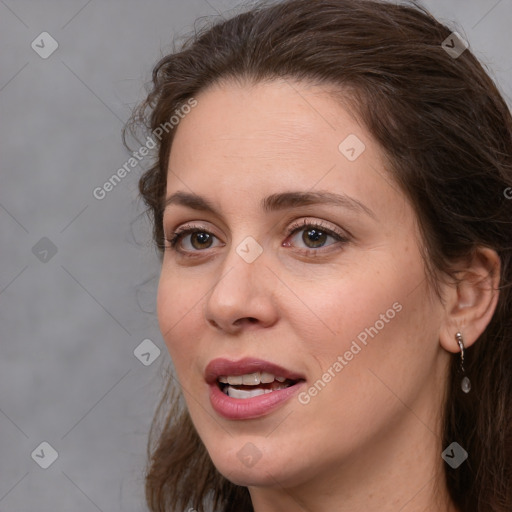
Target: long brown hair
x,y
447,134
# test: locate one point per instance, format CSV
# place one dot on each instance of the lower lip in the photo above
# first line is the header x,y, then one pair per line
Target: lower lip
x,y
249,408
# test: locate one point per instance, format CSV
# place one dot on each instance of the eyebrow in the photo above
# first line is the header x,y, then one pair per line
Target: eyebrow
x,y
276,202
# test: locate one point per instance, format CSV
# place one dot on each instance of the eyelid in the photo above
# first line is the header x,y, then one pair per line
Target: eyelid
x,y
184,230
332,230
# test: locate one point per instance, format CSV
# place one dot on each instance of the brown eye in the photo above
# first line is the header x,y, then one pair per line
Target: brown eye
x,y
190,239
204,240
315,237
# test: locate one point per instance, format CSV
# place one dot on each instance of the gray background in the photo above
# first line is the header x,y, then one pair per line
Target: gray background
x,y
70,324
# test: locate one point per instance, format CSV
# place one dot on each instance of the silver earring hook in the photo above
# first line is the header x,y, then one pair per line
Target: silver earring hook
x,y
466,383
458,337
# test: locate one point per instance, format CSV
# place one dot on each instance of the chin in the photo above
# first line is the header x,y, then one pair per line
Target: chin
x,y
262,477
248,466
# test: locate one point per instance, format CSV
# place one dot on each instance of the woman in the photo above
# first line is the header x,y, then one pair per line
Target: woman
x,y
334,219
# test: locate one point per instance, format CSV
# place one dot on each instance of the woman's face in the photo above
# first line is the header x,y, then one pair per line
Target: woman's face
x,y
305,265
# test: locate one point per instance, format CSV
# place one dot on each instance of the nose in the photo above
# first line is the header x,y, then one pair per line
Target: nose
x,y
242,296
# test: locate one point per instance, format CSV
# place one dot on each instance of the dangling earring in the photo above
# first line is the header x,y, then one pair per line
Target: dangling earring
x,y
465,383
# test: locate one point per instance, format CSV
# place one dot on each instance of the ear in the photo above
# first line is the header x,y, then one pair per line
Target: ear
x,y
470,303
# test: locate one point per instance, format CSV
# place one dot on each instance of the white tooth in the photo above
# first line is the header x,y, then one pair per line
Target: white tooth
x,y
268,391
266,378
280,379
251,379
242,393
235,380
223,379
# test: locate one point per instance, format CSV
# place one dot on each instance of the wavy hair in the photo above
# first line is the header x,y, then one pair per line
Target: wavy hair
x,y
446,132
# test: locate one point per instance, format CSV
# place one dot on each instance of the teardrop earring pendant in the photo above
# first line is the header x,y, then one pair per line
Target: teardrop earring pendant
x,y
465,383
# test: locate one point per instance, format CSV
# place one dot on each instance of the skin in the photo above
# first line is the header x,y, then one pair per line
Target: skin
x,y
370,440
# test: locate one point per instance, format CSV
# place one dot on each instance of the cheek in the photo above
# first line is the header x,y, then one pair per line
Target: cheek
x,y
382,356
369,324
178,311
354,302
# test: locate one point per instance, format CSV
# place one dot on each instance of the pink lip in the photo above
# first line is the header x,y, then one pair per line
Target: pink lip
x,y
248,408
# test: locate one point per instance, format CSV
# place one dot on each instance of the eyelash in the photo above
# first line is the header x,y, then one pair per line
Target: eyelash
x,y
178,235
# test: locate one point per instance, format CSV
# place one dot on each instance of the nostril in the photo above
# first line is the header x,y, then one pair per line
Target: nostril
x,y
248,319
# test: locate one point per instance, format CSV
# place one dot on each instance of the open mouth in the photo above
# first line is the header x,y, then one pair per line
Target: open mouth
x,y
250,388
252,384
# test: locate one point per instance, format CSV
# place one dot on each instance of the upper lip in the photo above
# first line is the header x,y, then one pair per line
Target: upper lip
x,y
219,367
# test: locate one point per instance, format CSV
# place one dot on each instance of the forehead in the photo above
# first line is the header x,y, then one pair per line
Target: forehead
x,y
263,124
278,117
257,139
